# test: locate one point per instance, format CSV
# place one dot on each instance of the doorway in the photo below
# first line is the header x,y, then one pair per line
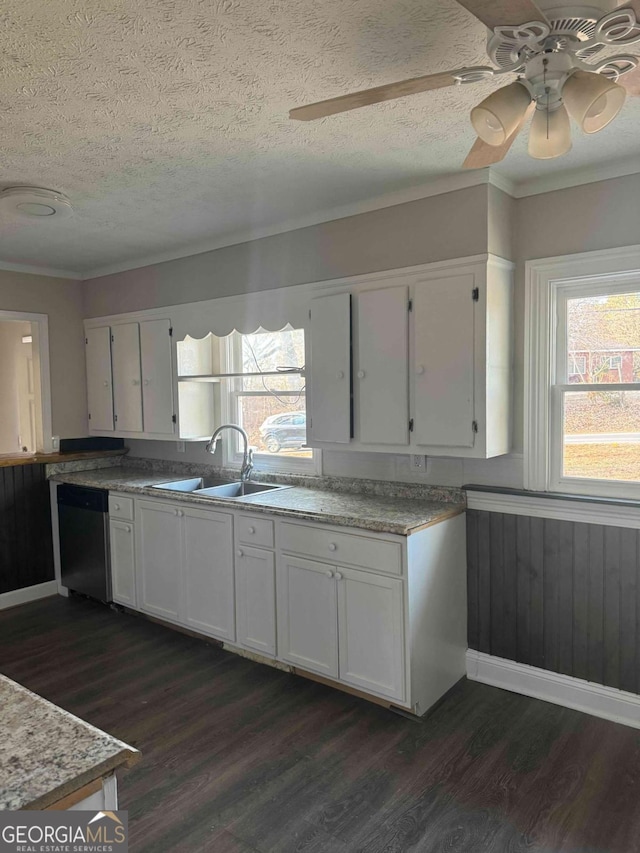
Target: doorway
x,y
25,410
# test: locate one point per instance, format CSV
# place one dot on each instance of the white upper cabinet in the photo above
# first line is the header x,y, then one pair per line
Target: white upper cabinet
x,y
99,379
443,362
432,361
381,385
331,368
157,384
130,379
127,377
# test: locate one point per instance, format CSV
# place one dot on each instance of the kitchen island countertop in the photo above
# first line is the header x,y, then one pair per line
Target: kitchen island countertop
x,y
46,753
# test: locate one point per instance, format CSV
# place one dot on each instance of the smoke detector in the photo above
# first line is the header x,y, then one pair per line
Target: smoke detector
x,y
35,203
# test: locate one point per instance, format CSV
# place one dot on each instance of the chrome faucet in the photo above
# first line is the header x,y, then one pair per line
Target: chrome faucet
x,y
247,457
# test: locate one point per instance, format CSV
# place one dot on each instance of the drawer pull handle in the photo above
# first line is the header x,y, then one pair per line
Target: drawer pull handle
x,y
252,530
333,546
329,574
338,576
240,553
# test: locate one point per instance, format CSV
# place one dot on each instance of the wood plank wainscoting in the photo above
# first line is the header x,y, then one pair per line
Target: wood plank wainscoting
x,y
26,549
553,592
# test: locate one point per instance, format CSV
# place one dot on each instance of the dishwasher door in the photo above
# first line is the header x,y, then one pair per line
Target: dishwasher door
x,y
83,521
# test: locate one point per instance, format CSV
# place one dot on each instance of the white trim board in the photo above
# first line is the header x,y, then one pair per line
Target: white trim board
x,y
28,593
586,696
534,506
50,272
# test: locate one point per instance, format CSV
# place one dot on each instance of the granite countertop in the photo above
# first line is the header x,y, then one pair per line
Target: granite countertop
x,y
399,515
47,753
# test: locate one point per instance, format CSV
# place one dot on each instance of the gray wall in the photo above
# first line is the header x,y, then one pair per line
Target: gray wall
x,y
431,229
62,301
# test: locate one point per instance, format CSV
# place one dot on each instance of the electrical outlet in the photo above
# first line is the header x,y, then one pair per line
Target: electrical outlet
x,y
418,462
55,443
181,446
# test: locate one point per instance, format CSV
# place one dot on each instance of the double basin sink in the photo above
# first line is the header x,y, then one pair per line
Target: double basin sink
x,y
211,487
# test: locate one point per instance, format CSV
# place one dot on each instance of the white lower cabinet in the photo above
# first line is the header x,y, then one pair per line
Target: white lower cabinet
x,y
208,572
123,562
185,566
159,528
256,599
371,632
307,615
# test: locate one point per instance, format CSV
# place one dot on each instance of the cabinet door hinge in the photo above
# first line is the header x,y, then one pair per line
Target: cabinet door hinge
x,y
310,423
170,331
86,340
309,313
411,305
115,419
174,418
89,415
112,339
474,426
411,425
475,294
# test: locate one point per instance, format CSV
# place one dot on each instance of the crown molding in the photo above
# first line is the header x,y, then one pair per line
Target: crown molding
x,y
575,177
438,186
51,272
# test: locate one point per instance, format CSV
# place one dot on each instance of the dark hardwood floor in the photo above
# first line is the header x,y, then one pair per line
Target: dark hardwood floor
x,y
239,758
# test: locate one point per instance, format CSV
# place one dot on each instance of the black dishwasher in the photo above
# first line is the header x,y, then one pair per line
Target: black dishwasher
x,y
83,520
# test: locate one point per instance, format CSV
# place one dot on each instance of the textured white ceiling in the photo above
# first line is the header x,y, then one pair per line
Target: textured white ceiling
x,y
166,123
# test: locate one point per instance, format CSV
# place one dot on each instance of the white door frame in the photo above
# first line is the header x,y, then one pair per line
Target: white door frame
x,y
41,374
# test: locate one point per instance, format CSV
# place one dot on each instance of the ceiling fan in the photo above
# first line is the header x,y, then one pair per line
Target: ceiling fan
x,y
564,67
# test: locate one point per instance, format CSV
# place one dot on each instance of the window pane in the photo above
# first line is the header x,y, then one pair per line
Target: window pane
x,y
272,426
603,336
602,435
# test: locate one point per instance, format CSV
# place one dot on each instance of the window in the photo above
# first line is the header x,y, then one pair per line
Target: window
x,y
269,402
583,389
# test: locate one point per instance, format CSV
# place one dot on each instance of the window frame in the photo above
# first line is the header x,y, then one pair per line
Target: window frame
x,y
549,285
230,393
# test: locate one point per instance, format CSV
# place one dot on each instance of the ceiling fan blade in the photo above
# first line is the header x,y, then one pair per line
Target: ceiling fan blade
x,y
373,96
504,13
630,4
482,154
631,82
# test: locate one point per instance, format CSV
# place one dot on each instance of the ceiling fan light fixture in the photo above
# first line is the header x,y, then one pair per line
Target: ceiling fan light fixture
x,y
592,100
496,118
550,133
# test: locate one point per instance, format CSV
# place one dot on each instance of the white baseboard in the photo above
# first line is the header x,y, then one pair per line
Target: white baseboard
x,y
28,593
587,696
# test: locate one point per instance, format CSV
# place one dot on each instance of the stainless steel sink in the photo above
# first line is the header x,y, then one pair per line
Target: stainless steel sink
x,y
238,490
193,485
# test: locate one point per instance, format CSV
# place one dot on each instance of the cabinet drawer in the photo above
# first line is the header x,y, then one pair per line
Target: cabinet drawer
x,y
342,548
120,507
255,531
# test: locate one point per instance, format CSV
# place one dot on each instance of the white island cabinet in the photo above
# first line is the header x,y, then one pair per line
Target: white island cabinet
x,y
379,614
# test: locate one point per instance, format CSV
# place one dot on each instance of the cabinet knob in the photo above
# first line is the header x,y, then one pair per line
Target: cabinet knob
x,y
340,374
128,529
178,512
146,381
361,374
252,530
240,552
105,383
329,574
116,506
420,369
135,381
333,546
338,576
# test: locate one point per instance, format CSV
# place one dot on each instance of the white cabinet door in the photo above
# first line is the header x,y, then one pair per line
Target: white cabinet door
x,y
331,369
382,388
127,388
157,377
307,615
99,379
371,632
209,604
159,558
123,562
443,362
256,599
